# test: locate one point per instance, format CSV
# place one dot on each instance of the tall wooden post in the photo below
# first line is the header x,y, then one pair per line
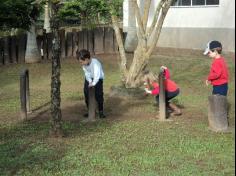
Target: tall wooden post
x,y
24,93
162,97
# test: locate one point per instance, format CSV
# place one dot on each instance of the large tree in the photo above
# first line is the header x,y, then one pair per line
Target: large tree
x,y
147,39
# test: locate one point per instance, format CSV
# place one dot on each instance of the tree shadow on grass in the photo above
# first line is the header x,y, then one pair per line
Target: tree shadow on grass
x,y
25,146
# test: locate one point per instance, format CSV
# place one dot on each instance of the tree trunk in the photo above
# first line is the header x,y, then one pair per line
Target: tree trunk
x,y
140,61
131,40
123,59
55,80
46,24
147,37
32,54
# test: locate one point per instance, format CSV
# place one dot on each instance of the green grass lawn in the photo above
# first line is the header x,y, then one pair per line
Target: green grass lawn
x,y
139,147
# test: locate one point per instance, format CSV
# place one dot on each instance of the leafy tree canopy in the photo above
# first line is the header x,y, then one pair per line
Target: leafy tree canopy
x,y
90,12
18,13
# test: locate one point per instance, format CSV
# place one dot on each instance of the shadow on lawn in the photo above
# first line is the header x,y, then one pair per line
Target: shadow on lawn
x,y
25,145
28,144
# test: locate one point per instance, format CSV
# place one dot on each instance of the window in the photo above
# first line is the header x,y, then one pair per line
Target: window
x,y
212,2
184,2
198,2
195,2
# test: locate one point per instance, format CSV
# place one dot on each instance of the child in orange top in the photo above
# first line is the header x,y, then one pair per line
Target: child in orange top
x,y
171,89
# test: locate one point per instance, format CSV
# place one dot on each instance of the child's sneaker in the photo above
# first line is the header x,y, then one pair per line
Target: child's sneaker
x,y
101,115
85,115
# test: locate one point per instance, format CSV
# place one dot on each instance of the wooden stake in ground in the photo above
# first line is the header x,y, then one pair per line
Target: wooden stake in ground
x,y
162,97
24,93
217,113
92,105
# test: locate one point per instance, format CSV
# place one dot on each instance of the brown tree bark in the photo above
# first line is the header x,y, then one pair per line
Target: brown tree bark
x,y
55,79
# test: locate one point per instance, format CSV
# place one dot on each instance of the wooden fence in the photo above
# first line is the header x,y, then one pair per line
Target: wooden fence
x,y
97,41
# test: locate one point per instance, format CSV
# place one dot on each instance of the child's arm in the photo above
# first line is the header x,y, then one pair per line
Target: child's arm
x,y
166,72
96,74
87,75
155,90
215,72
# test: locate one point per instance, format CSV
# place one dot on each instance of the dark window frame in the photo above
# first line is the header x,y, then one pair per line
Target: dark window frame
x,y
185,3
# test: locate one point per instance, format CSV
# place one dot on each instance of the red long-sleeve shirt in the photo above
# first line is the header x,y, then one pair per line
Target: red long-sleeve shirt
x,y
219,72
170,86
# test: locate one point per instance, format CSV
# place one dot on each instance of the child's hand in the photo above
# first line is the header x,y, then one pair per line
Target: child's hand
x,y
208,82
148,91
90,85
163,67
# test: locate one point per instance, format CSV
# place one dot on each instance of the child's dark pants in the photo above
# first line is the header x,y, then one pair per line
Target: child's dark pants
x,y
220,89
98,93
169,96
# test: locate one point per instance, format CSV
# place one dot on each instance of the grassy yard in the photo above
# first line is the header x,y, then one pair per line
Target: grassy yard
x,y
130,141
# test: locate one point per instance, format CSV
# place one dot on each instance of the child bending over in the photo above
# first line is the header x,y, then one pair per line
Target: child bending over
x,y
171,89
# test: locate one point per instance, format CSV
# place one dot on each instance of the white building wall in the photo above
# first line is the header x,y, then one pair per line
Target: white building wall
x,y
193,27
222,16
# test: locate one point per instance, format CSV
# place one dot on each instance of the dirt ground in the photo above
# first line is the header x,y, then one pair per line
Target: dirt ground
x,y
115,109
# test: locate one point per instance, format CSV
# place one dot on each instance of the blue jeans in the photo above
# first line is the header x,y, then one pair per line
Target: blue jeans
x,y
220,89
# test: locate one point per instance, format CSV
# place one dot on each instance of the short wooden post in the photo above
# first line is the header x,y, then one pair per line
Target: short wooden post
x,y
162,97
24,93
217,113
92,105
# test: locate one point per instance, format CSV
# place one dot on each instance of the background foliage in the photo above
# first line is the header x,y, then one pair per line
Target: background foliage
x,y
18,13
90,12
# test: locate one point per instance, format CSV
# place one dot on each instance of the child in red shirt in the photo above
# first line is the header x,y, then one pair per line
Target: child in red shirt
x,y
171,89
218,75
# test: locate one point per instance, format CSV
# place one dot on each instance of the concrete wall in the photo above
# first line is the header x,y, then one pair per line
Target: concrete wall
x,y
196,38
193,27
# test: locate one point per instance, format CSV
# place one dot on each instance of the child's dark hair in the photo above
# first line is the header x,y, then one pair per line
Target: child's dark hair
x,y
82,54
219,50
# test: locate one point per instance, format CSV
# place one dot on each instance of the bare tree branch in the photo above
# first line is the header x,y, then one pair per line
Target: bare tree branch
x,y
139,19
155,18
146,13
121,46
159,25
